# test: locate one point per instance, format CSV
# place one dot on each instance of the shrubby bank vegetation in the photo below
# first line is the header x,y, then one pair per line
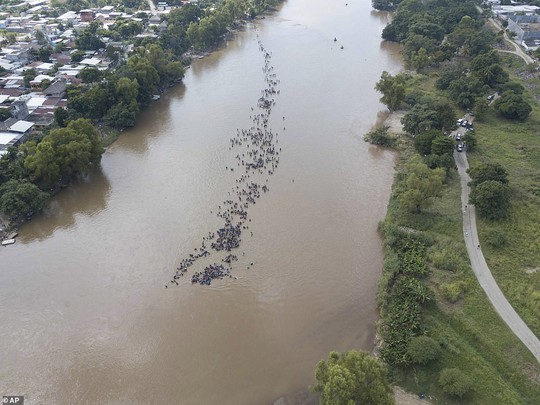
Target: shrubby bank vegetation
x,y
440,335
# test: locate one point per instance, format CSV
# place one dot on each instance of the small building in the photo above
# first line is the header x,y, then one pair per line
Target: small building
x,y
19,109
87,15
57,89
21,127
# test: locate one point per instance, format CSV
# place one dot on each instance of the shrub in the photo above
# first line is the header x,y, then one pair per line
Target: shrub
x,y
454,382
423,349
452,292
445,258
380,136
496,239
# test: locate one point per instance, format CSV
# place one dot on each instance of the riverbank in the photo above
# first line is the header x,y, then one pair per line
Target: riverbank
x,y
471,336
108,134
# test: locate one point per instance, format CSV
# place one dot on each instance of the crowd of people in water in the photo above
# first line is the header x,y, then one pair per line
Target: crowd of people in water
x,y
257,159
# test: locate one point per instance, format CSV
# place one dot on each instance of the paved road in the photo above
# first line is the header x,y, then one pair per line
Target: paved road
x,y
481,269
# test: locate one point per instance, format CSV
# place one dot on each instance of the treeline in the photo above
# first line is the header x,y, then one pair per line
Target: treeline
x,y
213,25
434,33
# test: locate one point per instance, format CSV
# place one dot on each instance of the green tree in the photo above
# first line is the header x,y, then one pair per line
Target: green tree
x,y
392,89
420,118
44,53
122,114
61,116
449,73
465,90
127,90
442,145
423,349
90,75
4,114
63,153
491,199
422,186
480,107
487,171
513,106
77,56
470,141
454,382
88,40
20,197
422,141
352,378
384,4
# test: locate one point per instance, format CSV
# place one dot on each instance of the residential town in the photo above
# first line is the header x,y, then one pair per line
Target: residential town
x,y
40,58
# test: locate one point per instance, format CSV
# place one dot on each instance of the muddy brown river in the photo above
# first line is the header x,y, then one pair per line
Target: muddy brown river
x,y
84,314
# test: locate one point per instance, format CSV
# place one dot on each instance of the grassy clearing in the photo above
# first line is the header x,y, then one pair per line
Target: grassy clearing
x,y
514,260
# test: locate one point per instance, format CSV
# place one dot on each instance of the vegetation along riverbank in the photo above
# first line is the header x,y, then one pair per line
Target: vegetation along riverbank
x,y
441,336
144,60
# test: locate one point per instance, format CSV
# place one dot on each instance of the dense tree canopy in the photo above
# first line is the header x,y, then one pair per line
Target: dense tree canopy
x,y
20,197
512,105
352,378
392,89
431,114
491,199
423,185
488,171
63,153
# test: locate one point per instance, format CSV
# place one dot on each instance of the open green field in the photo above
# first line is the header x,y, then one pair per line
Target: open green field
x,y
512,246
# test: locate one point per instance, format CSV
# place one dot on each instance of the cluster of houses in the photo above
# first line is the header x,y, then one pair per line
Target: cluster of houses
x,y
32,104
523,21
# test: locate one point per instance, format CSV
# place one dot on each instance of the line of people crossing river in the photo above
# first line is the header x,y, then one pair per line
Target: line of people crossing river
x,y
257,159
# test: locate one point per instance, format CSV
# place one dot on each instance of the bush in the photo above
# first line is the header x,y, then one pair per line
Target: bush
x,y
445,257
496,239
454,382
452,292
423,349
380,136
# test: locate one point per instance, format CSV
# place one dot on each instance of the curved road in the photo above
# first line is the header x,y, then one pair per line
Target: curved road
x,y
517,49
481,269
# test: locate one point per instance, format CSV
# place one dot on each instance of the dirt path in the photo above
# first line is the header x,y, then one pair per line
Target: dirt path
x,y
517,49
406,398
480,267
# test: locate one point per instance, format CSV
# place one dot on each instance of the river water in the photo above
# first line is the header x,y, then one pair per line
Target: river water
x,y
84,314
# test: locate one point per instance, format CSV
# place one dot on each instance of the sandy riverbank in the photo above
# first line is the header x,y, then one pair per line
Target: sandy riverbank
x,y
392,120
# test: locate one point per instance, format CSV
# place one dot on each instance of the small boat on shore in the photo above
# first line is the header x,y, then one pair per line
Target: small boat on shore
x,y
8,242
